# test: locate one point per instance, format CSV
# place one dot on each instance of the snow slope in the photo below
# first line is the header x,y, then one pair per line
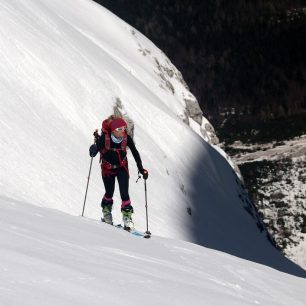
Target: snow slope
x,y
64,65
52,258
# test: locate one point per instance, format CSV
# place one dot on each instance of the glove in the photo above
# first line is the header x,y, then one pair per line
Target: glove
x,y
144,173
93,150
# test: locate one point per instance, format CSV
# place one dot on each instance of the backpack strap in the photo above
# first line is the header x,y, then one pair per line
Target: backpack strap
x,y
107,168
106,146
107,142
124,143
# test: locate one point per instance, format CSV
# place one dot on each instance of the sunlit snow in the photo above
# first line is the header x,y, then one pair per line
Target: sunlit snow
x,y
64,65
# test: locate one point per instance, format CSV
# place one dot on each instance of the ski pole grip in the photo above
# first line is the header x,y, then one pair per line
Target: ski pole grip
x,y
96,135
145,174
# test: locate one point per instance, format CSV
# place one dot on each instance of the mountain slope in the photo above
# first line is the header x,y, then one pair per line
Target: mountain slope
x,y
275,175
49,257
62,71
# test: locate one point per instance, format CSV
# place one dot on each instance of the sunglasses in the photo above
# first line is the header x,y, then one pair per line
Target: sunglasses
x,y
120,129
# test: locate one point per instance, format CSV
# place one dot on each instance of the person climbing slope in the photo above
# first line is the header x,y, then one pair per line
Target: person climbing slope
x,y
112,145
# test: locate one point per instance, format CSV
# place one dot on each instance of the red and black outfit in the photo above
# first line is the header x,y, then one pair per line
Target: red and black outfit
x,y
114,164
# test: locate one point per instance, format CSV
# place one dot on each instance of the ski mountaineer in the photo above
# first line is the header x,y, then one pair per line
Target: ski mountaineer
x,y
112,145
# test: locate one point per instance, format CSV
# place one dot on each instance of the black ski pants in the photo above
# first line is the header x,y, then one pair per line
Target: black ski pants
x,y
123,181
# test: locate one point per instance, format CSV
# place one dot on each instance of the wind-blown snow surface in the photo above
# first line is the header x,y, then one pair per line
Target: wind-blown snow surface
x,y
63,65
52,258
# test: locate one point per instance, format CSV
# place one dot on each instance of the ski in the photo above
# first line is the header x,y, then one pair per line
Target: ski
x,y
131,231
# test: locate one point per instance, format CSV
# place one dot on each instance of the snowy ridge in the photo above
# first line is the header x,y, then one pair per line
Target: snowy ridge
x,y
51,258
62,71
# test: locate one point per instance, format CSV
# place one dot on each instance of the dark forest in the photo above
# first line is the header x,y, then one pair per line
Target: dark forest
x,y
244,59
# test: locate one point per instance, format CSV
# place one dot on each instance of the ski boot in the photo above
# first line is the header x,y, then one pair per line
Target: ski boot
x,y
107,213
127,217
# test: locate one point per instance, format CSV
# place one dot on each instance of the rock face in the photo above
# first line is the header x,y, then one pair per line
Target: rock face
x,y
275,175
169,76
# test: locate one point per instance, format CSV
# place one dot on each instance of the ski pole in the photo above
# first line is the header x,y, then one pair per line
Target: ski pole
x,y
87,186
147,233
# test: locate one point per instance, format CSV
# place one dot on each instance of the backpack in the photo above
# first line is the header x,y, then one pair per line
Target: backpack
x,y
106,130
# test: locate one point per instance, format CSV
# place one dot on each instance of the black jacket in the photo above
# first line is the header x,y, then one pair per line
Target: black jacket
x,y
112,156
